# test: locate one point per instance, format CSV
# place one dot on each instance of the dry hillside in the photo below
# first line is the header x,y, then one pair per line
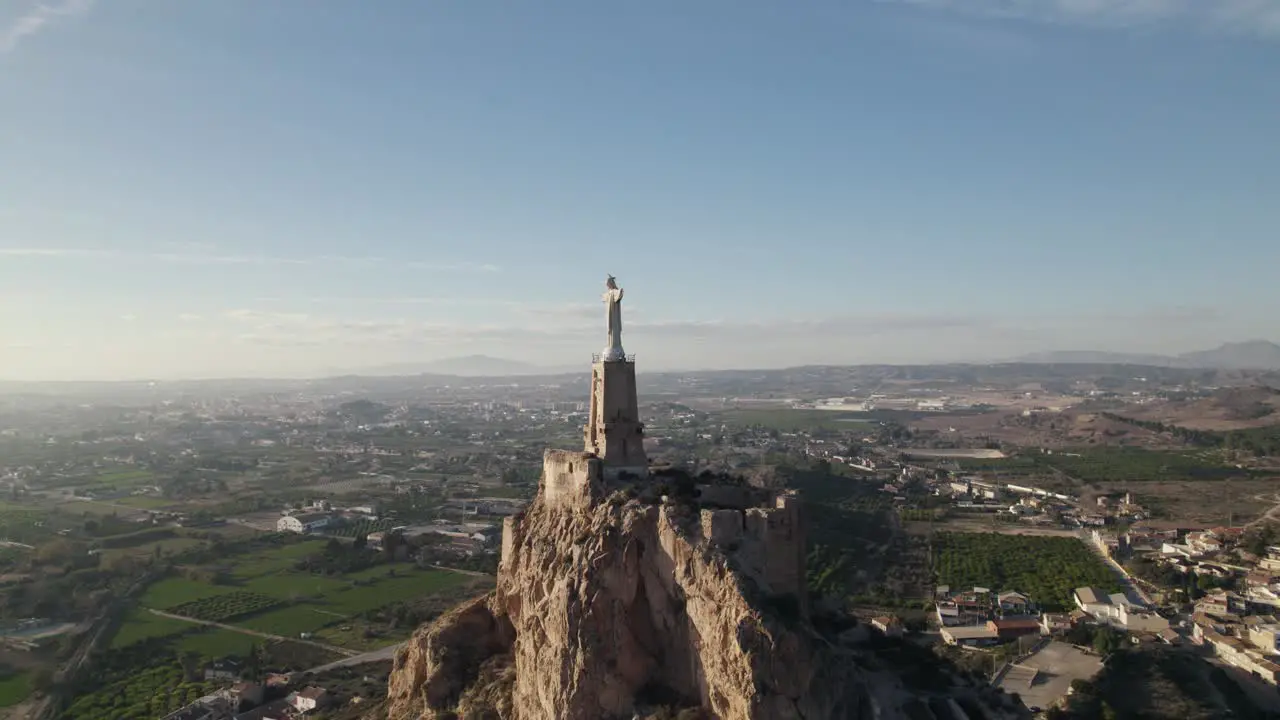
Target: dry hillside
x,y
1228,409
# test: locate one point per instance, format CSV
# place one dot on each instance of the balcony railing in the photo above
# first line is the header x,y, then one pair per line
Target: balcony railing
x,y
595,358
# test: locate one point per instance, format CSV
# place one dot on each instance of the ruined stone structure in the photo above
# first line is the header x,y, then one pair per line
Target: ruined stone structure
x,y
621,590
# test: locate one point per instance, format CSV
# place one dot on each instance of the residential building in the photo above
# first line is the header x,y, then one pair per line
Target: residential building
x,y
1117,610
309,699
1266,638
1014,603
225,669
889,625
1235,652
970,636
1013,628
1222,603
1054,623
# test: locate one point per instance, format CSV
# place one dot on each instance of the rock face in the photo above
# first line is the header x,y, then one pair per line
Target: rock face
x,y
609,606
604,605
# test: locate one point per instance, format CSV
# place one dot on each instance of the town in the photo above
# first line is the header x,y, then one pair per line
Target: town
x,y
261,555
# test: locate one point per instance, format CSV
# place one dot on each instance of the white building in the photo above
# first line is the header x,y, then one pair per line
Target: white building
x,y
1116,610
308,699
302,523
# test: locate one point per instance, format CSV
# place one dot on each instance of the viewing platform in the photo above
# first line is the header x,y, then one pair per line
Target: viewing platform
x,y
597,357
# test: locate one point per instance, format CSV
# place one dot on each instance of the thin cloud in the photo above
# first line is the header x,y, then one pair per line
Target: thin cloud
x,y
198,259
216,259
52,252
1253,17
38,17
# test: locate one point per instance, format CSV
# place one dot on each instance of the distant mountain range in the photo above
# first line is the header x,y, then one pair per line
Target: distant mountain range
x,y
467,366
1250,355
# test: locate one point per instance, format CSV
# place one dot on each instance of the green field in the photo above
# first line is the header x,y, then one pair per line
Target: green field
x,y
405,586
170,592
126,477
216,643
168,546
1121,464
276,559
144,502
289,621
305,601
14,689
141,625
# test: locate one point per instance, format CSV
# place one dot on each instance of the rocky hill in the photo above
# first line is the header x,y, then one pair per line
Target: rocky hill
x,y
622,600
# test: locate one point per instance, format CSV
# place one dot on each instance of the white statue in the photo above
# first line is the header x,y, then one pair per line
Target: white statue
x,y
613,306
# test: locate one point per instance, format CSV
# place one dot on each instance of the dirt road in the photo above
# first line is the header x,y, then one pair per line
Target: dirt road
x,y
255,633
1272,515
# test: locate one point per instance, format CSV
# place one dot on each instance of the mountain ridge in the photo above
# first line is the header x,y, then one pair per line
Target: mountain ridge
x,y
1246,355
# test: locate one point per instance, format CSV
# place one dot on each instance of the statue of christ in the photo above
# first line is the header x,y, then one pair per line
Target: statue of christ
x,y
613,307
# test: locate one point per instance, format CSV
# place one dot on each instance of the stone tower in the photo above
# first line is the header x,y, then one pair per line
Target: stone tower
x,y
614,432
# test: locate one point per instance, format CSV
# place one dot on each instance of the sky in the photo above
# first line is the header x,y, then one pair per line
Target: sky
x,y
219,188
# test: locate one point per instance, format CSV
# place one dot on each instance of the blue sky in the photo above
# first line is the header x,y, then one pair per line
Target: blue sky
x,y
238,187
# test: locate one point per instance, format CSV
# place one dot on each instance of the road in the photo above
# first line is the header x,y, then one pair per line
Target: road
x,y
379,655
1272,515
255,633
1131,588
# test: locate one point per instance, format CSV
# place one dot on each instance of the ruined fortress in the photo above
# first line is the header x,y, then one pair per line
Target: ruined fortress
x,y
628,591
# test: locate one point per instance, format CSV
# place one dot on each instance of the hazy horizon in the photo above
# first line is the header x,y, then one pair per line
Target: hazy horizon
x,y
226,189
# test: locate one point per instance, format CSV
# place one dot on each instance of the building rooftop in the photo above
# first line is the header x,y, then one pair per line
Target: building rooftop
x,y
970,632
1091,596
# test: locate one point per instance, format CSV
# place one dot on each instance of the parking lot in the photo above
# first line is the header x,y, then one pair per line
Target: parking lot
x,y
1053,668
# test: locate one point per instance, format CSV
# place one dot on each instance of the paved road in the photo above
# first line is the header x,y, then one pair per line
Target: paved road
x,y
379,655
460,571
1131,588
255,633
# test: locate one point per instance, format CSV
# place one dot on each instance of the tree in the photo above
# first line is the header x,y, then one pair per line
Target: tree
x,y
1105,641
42,679
190,662
361,541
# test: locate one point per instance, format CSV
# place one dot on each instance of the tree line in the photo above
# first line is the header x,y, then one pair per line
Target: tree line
x,y
1259,442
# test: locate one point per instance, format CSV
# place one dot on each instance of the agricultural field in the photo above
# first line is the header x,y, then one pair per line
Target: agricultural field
x,y
224,607
216,643
266,592
790,420
1047,569
14,689
175,591
360,527
1122,464
145,680
277,586
140,625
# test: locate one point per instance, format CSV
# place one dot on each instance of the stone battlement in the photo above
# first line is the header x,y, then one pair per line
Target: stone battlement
x,y
573,480
767,543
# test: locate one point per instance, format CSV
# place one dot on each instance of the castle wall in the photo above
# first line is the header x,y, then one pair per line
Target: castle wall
x,y
722,528
775,550
571,479
727,496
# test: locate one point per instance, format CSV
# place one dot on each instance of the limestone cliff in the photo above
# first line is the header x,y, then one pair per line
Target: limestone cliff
x,y
606,606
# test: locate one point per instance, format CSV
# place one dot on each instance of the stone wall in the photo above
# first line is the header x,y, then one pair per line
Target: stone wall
x,y
766,543
571,479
